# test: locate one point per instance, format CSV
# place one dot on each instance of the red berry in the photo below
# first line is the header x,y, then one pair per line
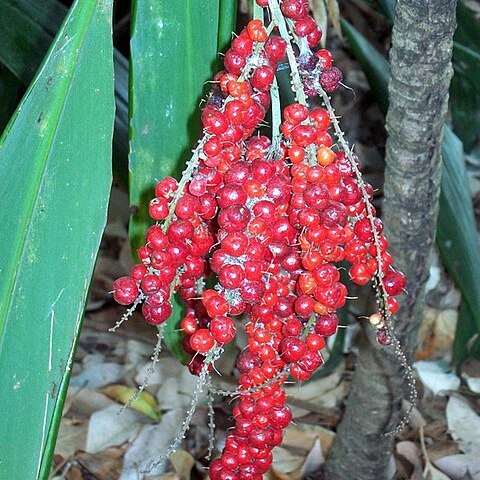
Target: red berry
x,y
326,325
234,62
294,9
291,349
256,30
275,48
262,78
394,282
202,340
158,314
125,290
325,57
231,276
158,208
304,26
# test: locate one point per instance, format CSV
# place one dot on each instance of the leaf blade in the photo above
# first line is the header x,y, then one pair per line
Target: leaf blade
x,y
24,55
54,215
167,78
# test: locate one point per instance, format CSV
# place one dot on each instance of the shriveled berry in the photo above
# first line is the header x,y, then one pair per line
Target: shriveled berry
x,y
330,79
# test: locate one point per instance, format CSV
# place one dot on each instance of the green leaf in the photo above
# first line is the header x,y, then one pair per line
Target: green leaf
x,y
374,65
465,95
464,92
55,159
10,93
26,31
466,329
468,31
456,230
227,17
388,8
457,236
172,335
172,53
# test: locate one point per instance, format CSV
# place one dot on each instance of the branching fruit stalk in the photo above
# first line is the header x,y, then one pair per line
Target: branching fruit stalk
x,y
270,218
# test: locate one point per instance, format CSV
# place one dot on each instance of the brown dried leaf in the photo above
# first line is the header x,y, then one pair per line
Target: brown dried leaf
x,y
150,444
464,424
334,15
304,436
431,473
110,428
95,375
471,374
313,462
183,463
85,401
72,437
286,462
272,474
104,465
320,15
458,467
325,392
412,454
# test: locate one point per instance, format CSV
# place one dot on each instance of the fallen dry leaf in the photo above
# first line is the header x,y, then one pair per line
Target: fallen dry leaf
x,y
96,375
85,401
109,428
431,473
436,375
104,465
412,454
285,461
463,425
459,467
151,444
183,463
313,461
326,392
145,403
304,436
72,437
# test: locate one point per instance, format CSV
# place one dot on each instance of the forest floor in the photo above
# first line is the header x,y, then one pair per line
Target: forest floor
x,y
97,442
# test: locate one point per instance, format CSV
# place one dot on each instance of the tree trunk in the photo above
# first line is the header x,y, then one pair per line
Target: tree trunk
x,y
421,71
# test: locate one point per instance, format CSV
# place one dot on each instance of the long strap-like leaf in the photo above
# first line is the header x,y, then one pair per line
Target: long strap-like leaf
x,y
55,171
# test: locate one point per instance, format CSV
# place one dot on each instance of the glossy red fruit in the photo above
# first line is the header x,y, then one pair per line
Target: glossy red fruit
x,y
262,78
394,282
326,325
125,290
291,349
294,9
156,315
202,340
275,48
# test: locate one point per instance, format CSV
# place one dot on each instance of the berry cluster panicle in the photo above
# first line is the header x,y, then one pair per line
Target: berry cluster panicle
x,y
269,219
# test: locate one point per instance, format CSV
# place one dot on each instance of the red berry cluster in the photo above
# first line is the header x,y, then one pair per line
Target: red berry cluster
x,y
270,220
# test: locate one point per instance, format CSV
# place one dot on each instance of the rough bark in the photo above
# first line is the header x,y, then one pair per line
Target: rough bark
x,y
421,71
